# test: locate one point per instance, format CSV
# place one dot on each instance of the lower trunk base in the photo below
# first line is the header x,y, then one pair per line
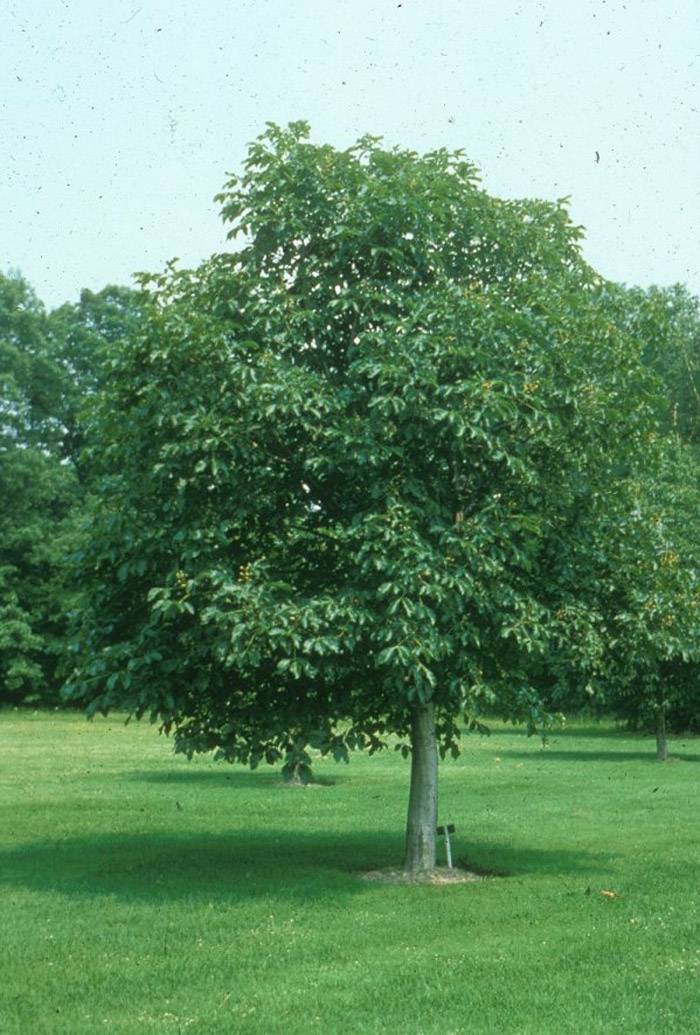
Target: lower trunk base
x,y
423,798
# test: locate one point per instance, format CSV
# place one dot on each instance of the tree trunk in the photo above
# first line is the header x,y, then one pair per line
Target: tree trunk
x,y
423,799
661,752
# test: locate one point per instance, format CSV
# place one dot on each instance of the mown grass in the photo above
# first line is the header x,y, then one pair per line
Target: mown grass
x,y
143,893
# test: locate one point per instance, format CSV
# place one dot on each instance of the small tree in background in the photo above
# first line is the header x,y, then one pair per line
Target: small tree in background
x,y
651,592
344,467
653,601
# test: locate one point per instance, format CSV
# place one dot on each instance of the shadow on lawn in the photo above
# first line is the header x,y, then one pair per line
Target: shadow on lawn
x,y
163,867
614,757
570,732
256,779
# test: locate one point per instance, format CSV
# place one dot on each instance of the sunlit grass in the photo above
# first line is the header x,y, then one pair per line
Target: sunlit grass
x,y
143,893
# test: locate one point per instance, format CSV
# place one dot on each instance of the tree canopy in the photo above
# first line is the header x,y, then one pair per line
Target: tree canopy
x,y
345,466
651,588
49,364
36,495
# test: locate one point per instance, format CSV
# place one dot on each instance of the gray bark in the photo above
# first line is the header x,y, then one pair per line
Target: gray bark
x,y
423,798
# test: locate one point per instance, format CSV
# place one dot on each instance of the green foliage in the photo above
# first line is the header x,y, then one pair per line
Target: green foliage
x,y
37,496
80,334
668,321
29,376
636,559
651,582
655,599
49,365
344,467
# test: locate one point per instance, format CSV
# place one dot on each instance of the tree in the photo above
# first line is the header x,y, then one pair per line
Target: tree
x,y
39,498
79,334
653,576
668,321
49,365
38,494
342,465
29,377
636,558
653,598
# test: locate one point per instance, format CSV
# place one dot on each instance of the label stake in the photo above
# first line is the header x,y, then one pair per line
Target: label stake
x,y
448,829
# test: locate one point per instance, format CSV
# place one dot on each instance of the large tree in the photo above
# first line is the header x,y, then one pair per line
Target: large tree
x,y
342,465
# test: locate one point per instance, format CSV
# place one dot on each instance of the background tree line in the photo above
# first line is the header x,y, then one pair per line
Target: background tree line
x,y
51,364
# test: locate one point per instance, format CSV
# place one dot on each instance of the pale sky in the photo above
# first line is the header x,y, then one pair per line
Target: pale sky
x,y
119,119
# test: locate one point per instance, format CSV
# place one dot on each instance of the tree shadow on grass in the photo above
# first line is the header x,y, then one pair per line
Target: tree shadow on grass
x,y
238,866
573,732
614,757
255,779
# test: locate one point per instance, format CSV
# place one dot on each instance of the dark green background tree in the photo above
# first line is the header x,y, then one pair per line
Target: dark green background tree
x,y
651,591
80,334
37,496
50,363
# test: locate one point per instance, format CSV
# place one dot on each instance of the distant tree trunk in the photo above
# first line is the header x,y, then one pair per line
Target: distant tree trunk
x,y
661,752
423,798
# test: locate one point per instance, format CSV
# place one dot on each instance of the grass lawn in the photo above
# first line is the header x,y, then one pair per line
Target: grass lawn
x,y
143,893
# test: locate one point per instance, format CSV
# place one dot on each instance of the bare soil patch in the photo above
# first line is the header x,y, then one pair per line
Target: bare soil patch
x,y
299,784
440,875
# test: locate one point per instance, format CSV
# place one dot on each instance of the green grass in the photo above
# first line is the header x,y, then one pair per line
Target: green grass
x,y
143,893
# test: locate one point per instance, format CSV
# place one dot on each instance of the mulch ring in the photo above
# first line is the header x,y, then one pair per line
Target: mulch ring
x,y
440,875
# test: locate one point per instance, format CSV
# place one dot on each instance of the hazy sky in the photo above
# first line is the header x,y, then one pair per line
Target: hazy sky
x,y
120,118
